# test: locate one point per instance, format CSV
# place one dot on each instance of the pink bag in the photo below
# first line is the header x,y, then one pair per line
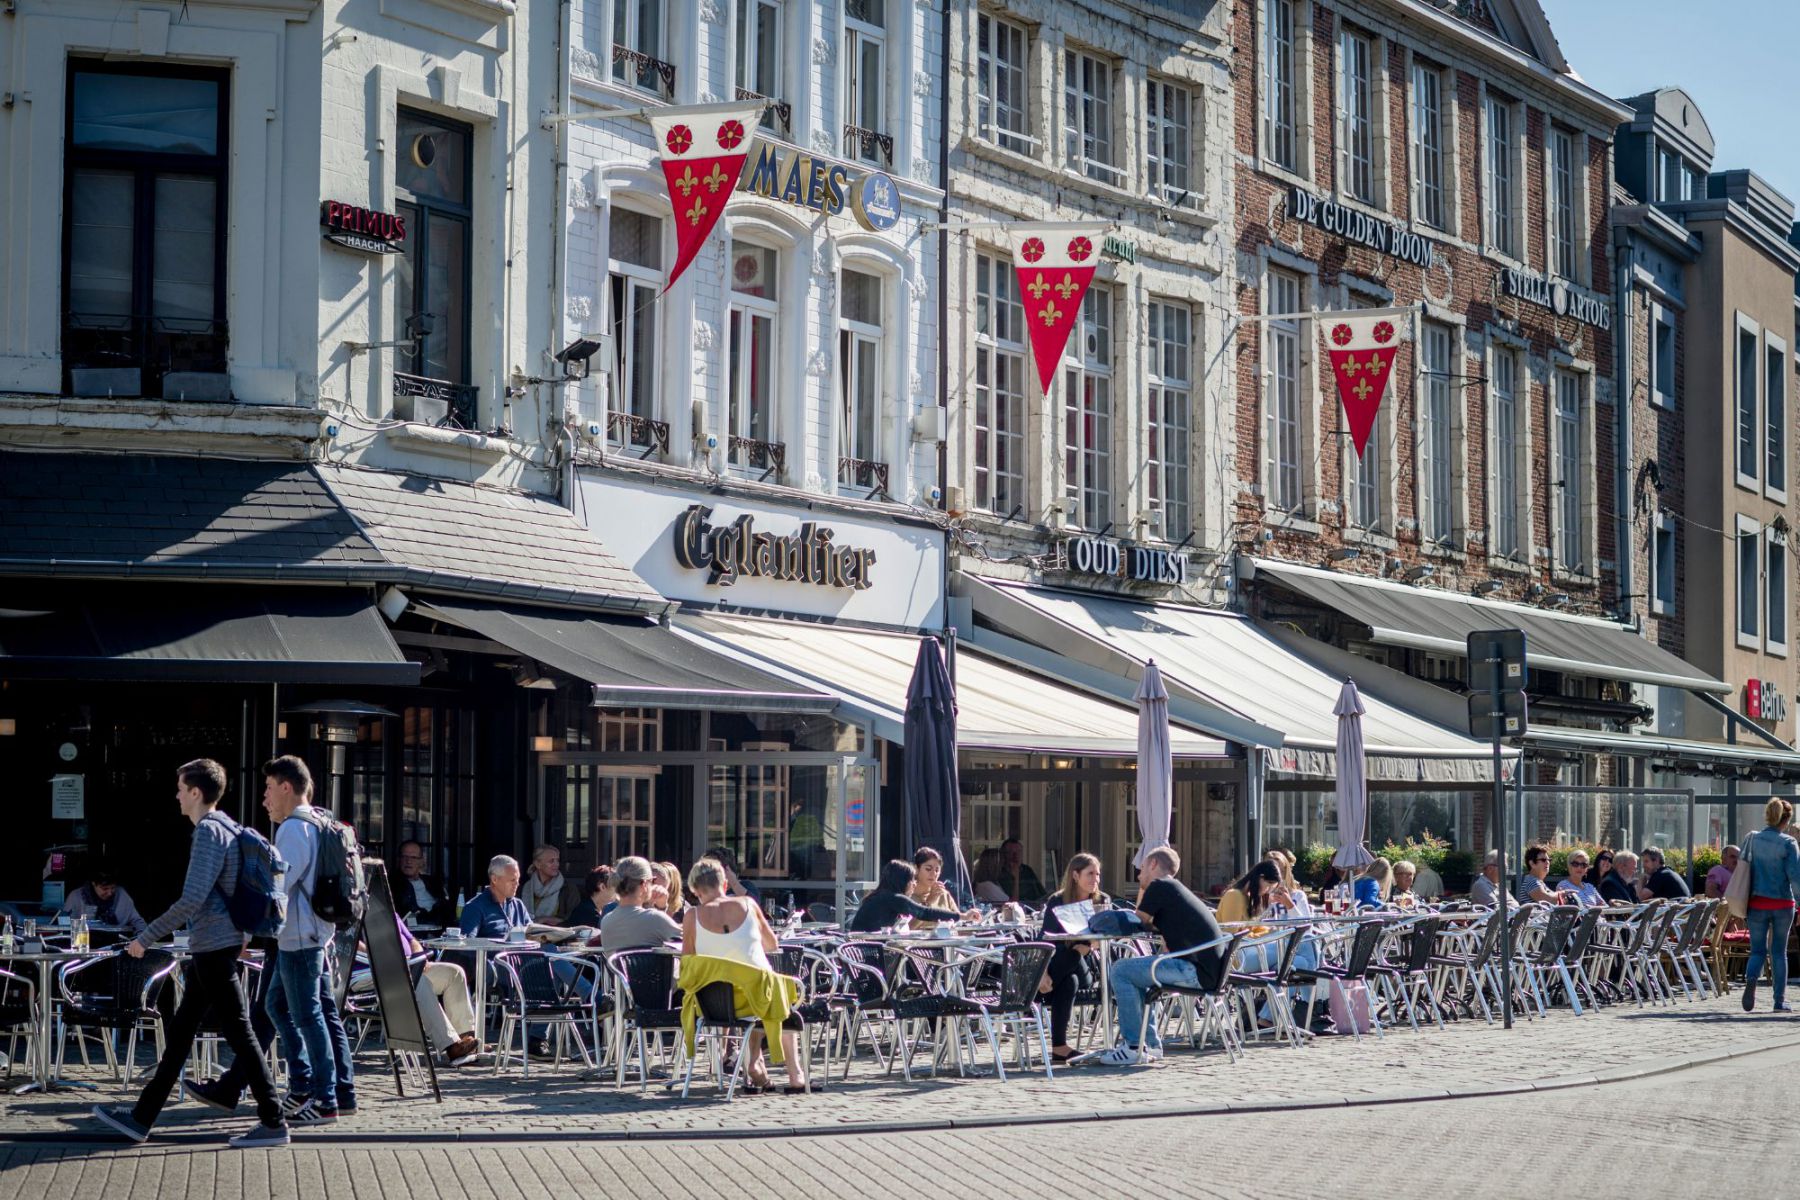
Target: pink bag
x,y
1349,1007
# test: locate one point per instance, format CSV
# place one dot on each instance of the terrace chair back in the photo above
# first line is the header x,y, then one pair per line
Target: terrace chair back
x,y
644,995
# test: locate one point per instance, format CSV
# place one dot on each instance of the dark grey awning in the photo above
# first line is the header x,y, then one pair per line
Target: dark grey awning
x,y
199,633
631,663
1422,619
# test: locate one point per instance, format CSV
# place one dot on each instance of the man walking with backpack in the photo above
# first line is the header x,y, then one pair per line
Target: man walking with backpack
x,y
320,1079
217,885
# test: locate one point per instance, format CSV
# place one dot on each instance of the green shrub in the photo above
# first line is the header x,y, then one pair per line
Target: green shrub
x,y
1459,869
1312,863
1426,850
1705,859
1559,859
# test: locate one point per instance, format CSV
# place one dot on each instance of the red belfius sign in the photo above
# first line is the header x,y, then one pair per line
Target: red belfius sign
x,y
362,228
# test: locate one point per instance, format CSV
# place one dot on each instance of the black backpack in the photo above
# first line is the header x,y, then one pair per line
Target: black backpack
x,y
339,893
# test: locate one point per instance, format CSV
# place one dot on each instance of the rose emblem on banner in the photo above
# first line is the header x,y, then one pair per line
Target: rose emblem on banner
x,y
731,135
1340,335
1032,250
680,140
1384,332
1080,248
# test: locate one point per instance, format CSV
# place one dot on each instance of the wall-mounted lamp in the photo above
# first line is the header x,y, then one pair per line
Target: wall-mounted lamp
x,y
1422,571
543,744
9,727
1345,554
1487,587
281,730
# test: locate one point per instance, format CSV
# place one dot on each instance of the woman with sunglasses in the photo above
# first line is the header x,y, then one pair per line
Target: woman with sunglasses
x,y
1576,886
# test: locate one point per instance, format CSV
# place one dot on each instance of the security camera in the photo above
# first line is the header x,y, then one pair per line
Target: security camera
x,y
711,442
331,429
592,431
936,494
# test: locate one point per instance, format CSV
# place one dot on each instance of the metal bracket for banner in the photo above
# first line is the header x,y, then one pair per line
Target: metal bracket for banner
x,y
550,120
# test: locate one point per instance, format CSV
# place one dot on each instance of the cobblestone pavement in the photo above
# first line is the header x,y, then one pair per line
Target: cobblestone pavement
x,y
1463,1056
1717,1128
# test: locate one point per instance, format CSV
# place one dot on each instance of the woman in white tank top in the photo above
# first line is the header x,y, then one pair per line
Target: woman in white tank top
x,y
734,928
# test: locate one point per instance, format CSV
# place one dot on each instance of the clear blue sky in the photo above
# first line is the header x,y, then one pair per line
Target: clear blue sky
x,y
1737,58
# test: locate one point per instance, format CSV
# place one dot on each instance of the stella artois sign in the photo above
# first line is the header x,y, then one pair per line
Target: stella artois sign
x,y
1055,264
1362,351
703,149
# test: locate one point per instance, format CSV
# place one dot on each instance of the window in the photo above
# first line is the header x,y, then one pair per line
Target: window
x,y
1564,254
1675,180
432,186
1502,214
1566,439
1283,401
1363,484
1001,91
1281,109
1437,475
1087,116
1169,142
1775,583
1087,412
1662,355
1749,431
751,352
144,229
638,53
624,811
635,281
1662,565
860,367
1775,369
1170,423
1429,172
1749,593
1508,429
1000,387
1356,115
865,91
759,59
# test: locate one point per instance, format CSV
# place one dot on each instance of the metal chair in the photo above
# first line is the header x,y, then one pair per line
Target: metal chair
x,y
717,1028
1476,968
18,1015
1014,1002
1547,958
537,996
644,1005
1273,983
1215,1004
1687,954
119,992
1357,961
1405,977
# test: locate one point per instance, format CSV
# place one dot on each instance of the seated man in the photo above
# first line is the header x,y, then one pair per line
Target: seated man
x,y
1618,887
103,901
638,922
1185,922
417,894
602,898
442,992
1485,891
497,909
1660,881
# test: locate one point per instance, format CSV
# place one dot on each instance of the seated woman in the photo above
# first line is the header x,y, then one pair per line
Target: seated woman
x,y
442,992
1068,966
1374,884
986,877
734,928
1576,886
600,897
928,885
889,902
1263,895
1403,895
674,902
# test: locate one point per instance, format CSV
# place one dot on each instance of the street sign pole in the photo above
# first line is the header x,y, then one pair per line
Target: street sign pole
x,y
1506,954
1497,710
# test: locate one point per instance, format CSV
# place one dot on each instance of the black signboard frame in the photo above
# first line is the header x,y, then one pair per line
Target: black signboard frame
x,y
404,1029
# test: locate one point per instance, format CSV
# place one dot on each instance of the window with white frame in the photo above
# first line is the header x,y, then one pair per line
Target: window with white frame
x,y
1774,398
1749,583
1662,564
1000,387
1676,180
865,84
1775,585
1087,412
1001,83
752,351
1363,483
635,281
1281,84
1502,209
859,378
1087,116
758,59
1283,401
639,52
1356,114
1437,437
1170,417
1749,428
1566,443
1662,355
1509,430
1564,248
1430,164
1169,142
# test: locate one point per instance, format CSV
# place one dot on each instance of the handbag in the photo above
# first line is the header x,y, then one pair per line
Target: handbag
x,y
1737,892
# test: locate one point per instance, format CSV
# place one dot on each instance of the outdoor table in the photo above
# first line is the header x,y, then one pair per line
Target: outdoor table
x,y
1103,943
43,1063
481,947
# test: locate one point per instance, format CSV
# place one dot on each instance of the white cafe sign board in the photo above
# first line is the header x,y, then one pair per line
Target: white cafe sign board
x,y
698,546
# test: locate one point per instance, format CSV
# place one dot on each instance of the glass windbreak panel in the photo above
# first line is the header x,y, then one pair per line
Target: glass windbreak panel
x,y
145,113
186,238
100,246
783,731
433,161
861,795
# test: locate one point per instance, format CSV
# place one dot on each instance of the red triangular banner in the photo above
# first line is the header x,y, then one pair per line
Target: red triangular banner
x,y
1055,265
1362,351
703,150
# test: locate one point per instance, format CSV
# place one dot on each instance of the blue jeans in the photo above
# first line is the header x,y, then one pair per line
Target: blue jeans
x,y
1130,978
1768,939
312,1032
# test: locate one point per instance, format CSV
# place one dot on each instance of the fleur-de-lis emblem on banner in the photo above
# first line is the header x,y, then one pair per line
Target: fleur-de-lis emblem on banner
x,y
1351,367
1050,314
1068,287
687,183
1037,287
695,213
714,180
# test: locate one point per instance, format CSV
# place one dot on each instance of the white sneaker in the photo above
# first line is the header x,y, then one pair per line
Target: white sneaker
x,y
1120,1056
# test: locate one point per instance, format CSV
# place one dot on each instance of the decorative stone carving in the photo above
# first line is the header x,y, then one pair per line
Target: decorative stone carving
x,y
704,336
710,13
580,307
823,142
821,52
819,365
922,83
585,63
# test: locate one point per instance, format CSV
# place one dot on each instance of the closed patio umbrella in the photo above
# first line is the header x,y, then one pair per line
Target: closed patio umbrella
x,y
1352,782
933,796
1155,766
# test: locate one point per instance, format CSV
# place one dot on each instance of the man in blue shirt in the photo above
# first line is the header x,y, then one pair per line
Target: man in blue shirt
x,y
498,907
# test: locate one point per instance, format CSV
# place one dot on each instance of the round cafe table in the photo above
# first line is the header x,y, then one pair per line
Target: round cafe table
x,y
43,1057
481,948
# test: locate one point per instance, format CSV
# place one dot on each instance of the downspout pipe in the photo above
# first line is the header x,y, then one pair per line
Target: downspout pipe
x,y
943,291
1623,458
560,213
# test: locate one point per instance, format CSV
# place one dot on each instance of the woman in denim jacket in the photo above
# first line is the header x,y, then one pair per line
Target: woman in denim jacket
x,y
1774,859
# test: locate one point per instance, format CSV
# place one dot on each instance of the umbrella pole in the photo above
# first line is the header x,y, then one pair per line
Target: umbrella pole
x,y
1506,990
